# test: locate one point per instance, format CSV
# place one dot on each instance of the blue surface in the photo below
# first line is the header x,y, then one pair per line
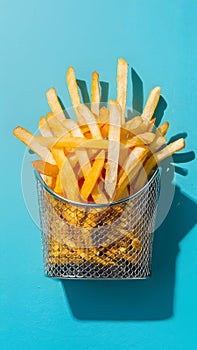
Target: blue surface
x,y
39,40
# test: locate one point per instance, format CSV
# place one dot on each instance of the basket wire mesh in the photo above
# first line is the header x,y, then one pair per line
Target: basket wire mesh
x,y
91,241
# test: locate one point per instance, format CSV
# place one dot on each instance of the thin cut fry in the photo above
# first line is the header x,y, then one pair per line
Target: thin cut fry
x,y
69,182
135,126
55,104
30,140
95,93
45,168
151,103
74,93
122,72
93,175
90,120
55,125
156,160
131,167
67,179
141,139
157,143
104,115
57,142
113,148
44,127
162,129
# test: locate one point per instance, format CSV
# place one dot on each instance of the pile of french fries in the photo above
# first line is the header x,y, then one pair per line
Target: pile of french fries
x,y
99,158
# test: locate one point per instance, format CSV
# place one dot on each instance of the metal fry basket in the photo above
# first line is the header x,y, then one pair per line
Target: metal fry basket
x,y
111,241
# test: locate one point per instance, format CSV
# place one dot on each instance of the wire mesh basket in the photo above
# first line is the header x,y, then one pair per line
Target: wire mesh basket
x,y
110,241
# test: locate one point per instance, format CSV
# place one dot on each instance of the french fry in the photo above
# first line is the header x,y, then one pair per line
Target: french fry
x,y
151,103
93,175
55,125
49,180
104,115
90,119
156,159
139,140
135,126
131,167
162,129
95,94
122,72
69,182
44,127
55,104
45,168
113,148
58,142
157,143
30,140
74,93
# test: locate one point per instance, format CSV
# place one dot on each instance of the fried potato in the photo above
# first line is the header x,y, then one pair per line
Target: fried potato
x,y
74,93
90,119
30,140
93,175
95,94
151,103
113,148
122,72
45,168
55,104
44,127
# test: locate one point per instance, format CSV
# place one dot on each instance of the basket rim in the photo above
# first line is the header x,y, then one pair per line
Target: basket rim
x,y
94,205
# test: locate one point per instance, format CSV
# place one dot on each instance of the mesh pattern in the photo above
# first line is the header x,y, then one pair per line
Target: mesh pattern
x,y
111,242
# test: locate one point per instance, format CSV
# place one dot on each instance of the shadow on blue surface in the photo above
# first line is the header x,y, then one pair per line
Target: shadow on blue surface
x,y
150,299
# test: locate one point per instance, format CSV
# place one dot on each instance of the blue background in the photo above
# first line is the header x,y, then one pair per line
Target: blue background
x,y
39,40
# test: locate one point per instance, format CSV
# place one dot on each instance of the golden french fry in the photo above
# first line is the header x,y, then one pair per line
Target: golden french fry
x,y
162,129
141,139
45,168
151,103
157,143
93,175
104,115
55,125
30,140
131,167
58,186
69,182
156,159
44,127
113,148
135,126
49,180
90,120
55,104
95,94
57,142
122,72
98,194
74,93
